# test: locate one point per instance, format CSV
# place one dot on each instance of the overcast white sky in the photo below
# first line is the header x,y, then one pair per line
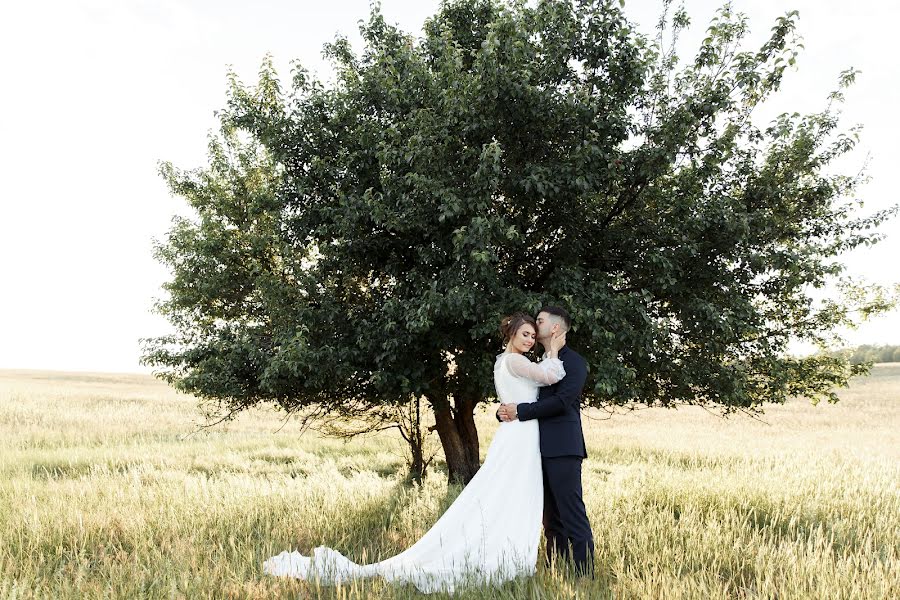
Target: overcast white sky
x,y
93,93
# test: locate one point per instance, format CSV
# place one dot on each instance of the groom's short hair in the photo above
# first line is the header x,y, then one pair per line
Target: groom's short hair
x,y
556,311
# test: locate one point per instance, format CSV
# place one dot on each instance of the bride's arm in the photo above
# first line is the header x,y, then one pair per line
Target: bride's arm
x,y
566,396
547,372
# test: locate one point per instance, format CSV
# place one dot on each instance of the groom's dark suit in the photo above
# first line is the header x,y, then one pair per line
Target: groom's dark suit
x,y
558,410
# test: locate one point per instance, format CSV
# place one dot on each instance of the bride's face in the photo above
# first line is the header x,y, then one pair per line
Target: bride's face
x,y
523,340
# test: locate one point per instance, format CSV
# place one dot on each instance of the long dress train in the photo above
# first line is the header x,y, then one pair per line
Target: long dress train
x,y
490,533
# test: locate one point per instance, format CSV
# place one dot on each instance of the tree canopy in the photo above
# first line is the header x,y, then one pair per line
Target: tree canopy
x,y
356,242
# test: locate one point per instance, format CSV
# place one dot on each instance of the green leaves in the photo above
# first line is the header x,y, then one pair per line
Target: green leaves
x,y
348,237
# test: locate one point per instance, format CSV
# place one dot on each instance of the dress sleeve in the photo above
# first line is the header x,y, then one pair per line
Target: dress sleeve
x,y
546,372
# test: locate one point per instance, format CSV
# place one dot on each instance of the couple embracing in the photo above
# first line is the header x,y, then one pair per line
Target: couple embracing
x,y
532,474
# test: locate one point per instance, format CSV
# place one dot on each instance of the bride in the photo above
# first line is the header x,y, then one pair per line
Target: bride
x,y
490,533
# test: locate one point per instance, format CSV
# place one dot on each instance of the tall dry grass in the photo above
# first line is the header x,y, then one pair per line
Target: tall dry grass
x,y
104,492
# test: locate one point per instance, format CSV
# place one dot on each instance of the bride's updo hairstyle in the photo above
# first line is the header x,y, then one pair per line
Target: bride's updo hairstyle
x,y
511,324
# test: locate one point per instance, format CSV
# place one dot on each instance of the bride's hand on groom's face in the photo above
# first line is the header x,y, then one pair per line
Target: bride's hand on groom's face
x,y
558,341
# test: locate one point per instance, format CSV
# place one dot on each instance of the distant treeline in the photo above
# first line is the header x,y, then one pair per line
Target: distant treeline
x,y
867,353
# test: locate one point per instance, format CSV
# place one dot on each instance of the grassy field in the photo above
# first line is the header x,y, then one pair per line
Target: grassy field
x,y
103,493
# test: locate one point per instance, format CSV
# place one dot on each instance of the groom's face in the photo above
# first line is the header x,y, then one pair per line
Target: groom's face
x,y
546,327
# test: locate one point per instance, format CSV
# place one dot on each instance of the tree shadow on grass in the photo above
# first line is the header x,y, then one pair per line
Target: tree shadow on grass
x,y
371,527
75,469
798,526
757,521
363,534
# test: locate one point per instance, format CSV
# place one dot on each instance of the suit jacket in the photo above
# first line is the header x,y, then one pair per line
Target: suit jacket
x,y
558,410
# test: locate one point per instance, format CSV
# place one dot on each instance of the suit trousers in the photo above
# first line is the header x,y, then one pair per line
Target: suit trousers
x,y
566,524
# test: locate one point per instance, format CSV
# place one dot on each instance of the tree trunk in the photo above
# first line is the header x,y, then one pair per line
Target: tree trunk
x,y
415,438
459,438
417,466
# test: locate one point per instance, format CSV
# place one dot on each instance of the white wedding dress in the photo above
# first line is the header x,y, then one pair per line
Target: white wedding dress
x,y
490,533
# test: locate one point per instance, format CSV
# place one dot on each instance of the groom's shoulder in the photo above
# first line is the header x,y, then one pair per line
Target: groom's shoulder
x,y
573,356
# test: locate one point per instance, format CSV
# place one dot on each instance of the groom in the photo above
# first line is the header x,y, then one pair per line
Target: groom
x,y
557,409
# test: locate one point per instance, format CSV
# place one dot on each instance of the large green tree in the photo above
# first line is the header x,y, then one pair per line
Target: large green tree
x,y
355,244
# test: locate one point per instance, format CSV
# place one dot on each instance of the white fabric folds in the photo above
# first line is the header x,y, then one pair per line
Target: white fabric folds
x,y
490,533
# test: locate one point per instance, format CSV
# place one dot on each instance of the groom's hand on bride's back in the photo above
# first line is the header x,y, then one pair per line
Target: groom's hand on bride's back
x,y
506,412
